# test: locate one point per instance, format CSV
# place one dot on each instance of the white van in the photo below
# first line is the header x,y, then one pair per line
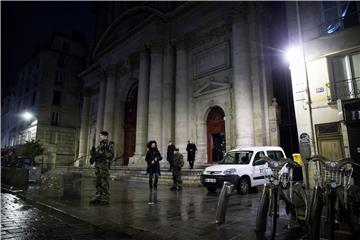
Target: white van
x,y
241,167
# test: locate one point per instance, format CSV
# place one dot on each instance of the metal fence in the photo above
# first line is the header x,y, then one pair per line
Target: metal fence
x,y
345,89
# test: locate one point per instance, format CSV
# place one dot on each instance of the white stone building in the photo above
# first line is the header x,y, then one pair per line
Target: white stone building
x,y
325,71
179,71
48,88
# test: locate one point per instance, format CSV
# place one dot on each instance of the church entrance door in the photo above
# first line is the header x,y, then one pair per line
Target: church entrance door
x,y
215,134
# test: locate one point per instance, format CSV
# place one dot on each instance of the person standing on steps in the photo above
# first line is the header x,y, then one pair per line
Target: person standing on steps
x,y
191,149
170,154
153,157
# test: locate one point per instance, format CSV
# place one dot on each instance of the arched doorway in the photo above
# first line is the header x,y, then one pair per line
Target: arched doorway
x,y
130,123
215,134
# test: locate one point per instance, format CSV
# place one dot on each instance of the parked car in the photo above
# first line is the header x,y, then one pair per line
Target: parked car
x,y
240,166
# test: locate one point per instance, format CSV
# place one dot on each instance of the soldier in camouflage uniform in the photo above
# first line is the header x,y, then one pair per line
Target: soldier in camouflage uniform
x,y
103,154
178,163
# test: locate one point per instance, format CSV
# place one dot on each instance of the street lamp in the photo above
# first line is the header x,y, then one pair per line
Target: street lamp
x,y
293,55
27,115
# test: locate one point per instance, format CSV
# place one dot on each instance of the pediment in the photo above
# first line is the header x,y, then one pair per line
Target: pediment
x,y
211,87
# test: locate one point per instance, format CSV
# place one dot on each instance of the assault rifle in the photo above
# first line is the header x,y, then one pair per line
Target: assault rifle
x,y
94,156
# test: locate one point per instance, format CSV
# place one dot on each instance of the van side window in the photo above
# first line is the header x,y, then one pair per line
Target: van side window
x,y
258,156
275,155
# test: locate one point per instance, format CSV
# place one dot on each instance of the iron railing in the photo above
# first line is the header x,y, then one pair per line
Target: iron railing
x,y
345,89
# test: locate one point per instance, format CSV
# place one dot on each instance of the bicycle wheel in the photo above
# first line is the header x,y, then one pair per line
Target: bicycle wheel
x,y
354,208
275,209
300,203
262,213
332,214
315,214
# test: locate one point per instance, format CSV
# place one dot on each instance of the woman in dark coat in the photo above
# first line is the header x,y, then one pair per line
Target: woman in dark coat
x,y
153,157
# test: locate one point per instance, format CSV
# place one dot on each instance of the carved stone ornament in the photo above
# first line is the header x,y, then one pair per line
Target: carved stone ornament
x,y
211,86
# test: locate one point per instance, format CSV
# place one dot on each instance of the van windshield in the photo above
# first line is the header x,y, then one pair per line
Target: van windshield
x,y
241,157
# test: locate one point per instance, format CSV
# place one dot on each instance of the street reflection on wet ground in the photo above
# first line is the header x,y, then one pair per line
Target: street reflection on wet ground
x,y
23,220
165,214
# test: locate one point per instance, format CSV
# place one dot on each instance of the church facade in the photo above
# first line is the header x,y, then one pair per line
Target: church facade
x,y
194,70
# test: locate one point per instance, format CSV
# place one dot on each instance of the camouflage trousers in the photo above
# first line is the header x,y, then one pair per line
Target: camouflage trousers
x,y
177,179
102,182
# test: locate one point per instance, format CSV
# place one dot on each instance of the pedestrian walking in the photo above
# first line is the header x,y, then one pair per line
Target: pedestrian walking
x,y
178,163
153,157
102,156
170,154
191,149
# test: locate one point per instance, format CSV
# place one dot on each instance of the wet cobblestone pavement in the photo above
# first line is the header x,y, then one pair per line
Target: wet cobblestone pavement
x,y
163,214
22,220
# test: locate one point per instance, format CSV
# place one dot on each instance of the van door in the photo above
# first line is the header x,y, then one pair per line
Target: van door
x,y
258,175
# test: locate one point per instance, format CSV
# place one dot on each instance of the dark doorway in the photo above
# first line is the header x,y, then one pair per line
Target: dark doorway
x,y
130,123
354,143
215,134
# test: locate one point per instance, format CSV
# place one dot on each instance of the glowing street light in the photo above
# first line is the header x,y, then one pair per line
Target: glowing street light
x,y
27,116
293,55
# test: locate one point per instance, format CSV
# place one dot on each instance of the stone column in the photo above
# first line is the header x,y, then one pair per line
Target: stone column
x,y
201,154
181,97
155,94
84,129
242,82
101,104
110,101
168,97
142,104
256,77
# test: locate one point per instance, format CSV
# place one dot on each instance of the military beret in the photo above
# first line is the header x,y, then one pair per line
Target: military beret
x,y
105,133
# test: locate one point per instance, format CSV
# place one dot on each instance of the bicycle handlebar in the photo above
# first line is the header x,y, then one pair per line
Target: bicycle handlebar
x,y
333,164
279,164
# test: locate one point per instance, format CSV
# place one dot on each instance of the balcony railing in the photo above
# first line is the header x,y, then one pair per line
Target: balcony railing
x,y
345,89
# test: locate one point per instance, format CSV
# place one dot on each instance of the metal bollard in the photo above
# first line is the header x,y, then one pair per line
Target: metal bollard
x,y
226,191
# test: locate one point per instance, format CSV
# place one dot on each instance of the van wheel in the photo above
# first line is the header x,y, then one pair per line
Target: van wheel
x,y
211,189
243,186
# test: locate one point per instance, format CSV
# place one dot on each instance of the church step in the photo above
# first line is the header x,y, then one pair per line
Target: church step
x,y
190,177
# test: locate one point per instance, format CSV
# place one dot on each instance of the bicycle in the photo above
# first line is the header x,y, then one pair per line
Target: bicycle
x,y
333,189
280,186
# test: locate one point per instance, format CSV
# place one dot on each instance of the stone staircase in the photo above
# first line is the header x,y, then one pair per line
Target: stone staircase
x,y
190,177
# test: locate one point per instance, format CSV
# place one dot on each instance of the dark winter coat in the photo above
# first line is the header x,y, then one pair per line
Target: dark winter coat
x,y
191,149
153,154
170,152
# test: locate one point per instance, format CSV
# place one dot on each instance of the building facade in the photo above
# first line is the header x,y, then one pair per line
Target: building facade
x,y
179,71
325,71
47,91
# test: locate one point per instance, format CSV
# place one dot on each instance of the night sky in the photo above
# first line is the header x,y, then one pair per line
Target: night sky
x,y
25,25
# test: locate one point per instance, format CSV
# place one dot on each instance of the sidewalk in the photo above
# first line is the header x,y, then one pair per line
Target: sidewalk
x,y
189,214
